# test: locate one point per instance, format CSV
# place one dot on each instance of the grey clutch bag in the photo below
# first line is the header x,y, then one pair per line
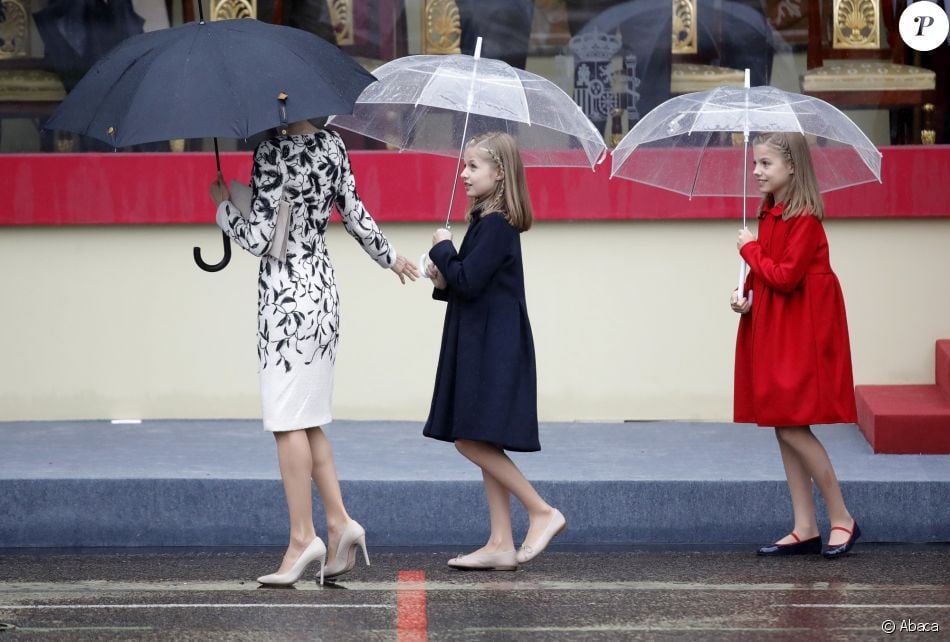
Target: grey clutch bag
x,y
241,199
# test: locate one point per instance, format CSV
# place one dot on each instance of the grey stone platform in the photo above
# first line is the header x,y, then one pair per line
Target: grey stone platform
x,y
216,483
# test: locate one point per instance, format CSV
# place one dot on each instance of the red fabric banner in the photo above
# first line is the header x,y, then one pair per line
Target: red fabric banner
x,y
126,188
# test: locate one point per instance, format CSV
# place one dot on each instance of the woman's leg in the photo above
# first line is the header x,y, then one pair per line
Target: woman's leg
x,y
799,486
498,465
323,471
816,462
293,455
499,510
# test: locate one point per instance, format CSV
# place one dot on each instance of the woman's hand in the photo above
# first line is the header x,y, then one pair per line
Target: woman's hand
x,y
745,236
438,281
219,191
740,306
403,267
441,234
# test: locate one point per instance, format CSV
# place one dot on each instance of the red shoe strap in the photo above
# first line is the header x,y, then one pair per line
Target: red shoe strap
x,y
842,528
797,540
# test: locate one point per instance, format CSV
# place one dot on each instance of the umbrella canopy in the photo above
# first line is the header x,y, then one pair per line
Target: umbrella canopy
x,y
228,78
434,103
210,79
677,146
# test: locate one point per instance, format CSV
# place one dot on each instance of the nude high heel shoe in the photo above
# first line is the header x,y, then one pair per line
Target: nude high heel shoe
x,y
345,557
316,550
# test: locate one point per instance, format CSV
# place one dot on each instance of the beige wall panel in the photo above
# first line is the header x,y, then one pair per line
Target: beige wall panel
x,y
631,319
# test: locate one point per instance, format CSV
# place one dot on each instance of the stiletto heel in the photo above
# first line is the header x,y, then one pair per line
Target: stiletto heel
x,y
362,543
344,559
316,550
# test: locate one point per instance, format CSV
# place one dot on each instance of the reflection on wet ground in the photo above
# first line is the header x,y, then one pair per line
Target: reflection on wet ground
x,y
648,594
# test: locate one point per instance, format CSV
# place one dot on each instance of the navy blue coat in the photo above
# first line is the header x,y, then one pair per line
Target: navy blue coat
x,y
486,383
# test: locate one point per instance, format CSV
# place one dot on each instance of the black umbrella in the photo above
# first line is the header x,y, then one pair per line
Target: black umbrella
x,y
231,78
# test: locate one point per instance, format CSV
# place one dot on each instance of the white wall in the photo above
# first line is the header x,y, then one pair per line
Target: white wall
x,y
631,319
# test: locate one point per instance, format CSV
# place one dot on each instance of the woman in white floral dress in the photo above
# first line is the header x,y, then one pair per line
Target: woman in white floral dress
x,y
298,325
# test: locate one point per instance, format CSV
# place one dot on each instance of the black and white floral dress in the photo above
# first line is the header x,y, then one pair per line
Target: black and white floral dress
x,y
298,305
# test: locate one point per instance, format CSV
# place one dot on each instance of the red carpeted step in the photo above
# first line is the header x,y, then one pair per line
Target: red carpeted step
x,y
943,366
905,419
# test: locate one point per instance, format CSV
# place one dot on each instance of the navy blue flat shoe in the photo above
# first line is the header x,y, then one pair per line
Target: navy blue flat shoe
x,y
800,547
834,552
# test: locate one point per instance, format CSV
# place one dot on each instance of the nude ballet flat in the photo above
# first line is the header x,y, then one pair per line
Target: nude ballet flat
x,y
345,559
498,561
555,527
316,550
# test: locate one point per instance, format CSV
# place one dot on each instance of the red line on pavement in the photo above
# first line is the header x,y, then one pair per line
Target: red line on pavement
x,y
411,622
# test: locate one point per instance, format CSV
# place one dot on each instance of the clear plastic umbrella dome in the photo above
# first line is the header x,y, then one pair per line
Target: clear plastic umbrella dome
x,y
678,145
432,103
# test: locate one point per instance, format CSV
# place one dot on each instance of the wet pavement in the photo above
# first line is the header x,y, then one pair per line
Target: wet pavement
x,y
655,593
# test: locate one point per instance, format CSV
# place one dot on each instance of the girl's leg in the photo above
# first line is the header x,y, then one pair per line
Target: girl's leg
x,y
293,455
323,471
499,509
799,486
815,460
495,462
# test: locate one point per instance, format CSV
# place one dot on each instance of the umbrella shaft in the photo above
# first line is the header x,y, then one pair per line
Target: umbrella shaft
x,y
458,163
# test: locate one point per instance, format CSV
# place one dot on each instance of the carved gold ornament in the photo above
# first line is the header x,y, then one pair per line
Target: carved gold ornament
x,y
857,24
230,9
442,27
341,16
15,29
684,27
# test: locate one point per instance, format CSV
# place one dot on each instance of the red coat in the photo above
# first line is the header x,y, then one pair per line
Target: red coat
x,y
793,357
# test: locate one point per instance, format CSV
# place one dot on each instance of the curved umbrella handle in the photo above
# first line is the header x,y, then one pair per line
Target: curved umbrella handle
x,y
222,263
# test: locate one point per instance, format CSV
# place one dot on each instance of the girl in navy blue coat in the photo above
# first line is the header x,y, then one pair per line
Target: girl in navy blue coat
x,y
485,397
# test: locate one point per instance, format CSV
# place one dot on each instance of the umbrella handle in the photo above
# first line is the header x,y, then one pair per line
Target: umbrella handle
x,y
743,271
222,263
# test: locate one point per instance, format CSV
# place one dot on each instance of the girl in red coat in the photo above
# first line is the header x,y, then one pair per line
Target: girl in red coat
x,y
793,359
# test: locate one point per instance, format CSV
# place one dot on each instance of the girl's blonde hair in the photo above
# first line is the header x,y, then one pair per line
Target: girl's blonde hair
x,y
802,196
511,193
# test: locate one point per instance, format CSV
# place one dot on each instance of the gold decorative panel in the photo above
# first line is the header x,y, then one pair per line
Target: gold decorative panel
x,y
684,27
442,27
341,16
15,29
857,24
229,9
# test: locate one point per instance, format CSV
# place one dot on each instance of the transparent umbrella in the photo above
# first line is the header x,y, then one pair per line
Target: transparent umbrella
x,y
435,103
678,146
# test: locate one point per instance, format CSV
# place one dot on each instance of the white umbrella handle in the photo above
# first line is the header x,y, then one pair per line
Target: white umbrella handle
x,y
743,267
422,265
